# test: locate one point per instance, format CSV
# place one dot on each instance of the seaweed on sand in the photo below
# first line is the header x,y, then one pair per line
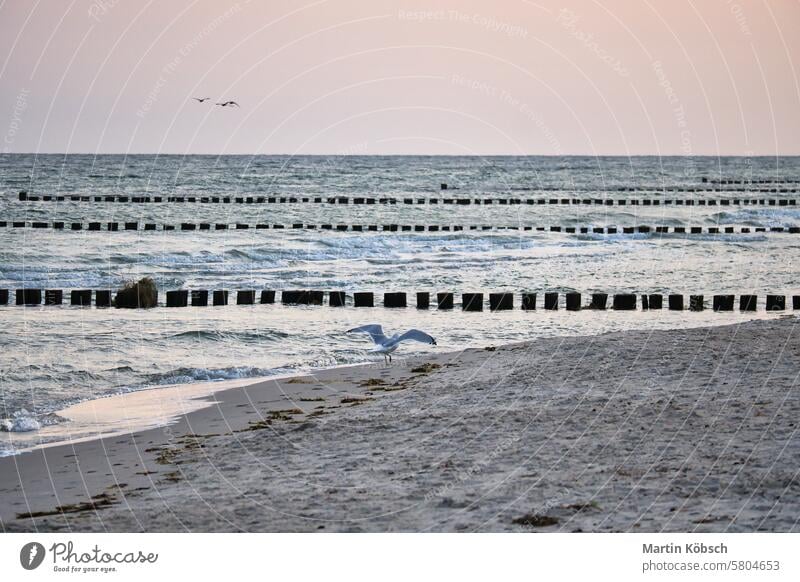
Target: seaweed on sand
x,y
535,520
425,368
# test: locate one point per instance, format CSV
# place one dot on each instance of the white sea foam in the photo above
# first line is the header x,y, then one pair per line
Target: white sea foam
x,y
20,421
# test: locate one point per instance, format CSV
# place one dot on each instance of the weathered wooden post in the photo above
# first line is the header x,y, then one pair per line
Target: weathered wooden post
x,y
364,299
696,303
219,297
178,298
199,298
599,301
393,300
776,302
102,298
501,301
529,301
29,296
80,297
337,298
624,302
444,301
748,302
723,302
315,297
294,297
573,301
53,296
245,297
472,301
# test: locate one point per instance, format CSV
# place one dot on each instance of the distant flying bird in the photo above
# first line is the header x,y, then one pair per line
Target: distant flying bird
x,y
199,100
386,345
226,103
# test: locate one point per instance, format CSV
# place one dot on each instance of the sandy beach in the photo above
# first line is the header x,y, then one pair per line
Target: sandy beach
x,y
681,430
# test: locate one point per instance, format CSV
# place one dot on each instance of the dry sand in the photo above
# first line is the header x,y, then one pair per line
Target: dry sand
x,y
682,430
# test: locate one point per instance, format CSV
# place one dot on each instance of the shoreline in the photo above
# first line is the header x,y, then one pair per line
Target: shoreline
x,y
434,440
88,455
61,433
148,408
121,414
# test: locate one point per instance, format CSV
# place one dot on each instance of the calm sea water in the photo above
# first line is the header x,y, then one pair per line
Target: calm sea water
x,y
51,357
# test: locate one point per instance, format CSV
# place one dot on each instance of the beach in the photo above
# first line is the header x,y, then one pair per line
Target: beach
x,y
633,431
533,224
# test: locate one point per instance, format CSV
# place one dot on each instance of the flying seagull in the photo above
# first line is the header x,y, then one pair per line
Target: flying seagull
x,y
201,100
386,345
226,103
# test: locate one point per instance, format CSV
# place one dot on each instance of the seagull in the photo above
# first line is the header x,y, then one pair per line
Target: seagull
x,y
226,103
386,345
201,100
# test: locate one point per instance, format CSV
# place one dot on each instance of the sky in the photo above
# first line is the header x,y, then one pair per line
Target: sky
x,y
518,77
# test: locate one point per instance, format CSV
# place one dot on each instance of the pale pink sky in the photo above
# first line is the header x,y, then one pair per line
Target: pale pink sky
x,y
670,77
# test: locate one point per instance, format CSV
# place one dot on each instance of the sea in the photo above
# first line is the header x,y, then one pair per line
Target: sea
x,y
53,357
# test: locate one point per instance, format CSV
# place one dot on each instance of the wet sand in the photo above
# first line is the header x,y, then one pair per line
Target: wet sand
x,y
680,430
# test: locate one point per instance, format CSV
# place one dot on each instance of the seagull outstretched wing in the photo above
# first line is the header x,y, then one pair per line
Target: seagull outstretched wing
x,y
375,331
417,336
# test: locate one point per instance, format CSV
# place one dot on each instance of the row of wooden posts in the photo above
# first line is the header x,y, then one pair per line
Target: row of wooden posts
x,y
503,301
206,226
751,181
464,201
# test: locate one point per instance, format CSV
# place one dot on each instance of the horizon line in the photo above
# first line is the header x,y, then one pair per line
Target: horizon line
x,y
407,155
